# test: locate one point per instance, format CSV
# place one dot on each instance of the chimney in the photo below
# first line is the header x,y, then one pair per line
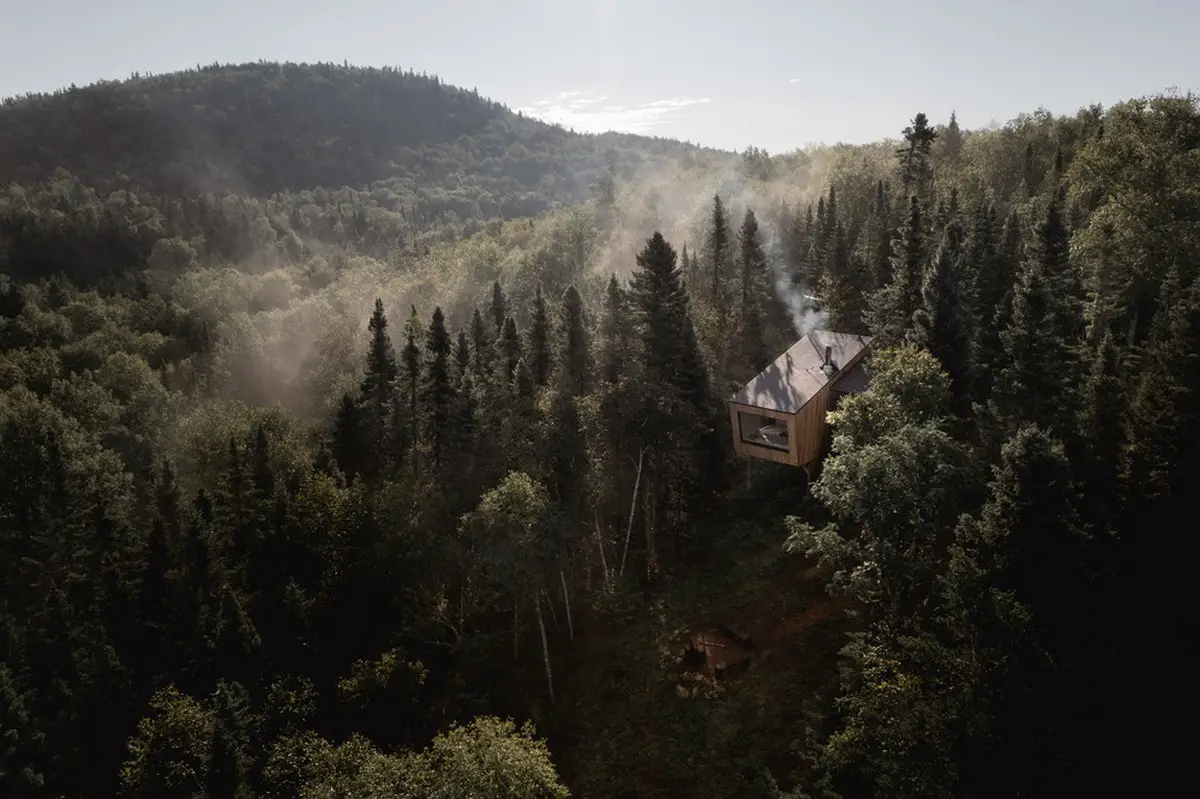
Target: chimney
x,y
828,367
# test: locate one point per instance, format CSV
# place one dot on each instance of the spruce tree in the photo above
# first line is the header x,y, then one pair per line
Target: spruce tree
x,y
348,440
614,334
1014,592
755,294
1041,342
892,307
939,323
718,257
916,163
498,310
508,353
462,357
408,417
538,346
573,366
479,347
437,391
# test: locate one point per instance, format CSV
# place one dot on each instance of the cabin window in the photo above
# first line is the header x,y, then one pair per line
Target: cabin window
x,y
763,431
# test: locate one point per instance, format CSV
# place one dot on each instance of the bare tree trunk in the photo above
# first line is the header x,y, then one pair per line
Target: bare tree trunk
x,y
537,605
516,632
567,602
553,612
600,543
637,482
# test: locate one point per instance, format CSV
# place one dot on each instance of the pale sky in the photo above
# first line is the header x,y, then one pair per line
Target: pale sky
x,y
773,73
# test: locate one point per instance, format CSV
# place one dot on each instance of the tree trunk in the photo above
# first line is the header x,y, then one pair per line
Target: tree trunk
x,y
553,612
600,544
637,482
537,605
567,603
516,632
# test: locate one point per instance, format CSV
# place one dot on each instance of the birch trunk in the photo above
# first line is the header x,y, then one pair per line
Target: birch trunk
x,y
567,603
537,605
637,482
553,612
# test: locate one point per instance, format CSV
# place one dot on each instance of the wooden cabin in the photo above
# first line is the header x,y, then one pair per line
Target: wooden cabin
x,y
780,414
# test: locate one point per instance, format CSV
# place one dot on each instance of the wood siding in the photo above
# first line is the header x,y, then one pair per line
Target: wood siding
x,y
807,429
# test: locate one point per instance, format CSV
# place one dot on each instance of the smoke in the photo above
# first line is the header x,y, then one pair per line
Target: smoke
x,y
802,307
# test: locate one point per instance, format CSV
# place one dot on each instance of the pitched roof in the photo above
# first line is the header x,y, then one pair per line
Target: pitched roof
x,y
796,376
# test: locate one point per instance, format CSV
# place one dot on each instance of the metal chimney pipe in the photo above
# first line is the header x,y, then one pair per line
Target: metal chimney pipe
x,y
828,354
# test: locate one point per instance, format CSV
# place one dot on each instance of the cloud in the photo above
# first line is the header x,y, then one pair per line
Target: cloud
x,y
587,112
795,80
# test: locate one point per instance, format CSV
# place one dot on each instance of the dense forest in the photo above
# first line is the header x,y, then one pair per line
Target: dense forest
x,y
361,438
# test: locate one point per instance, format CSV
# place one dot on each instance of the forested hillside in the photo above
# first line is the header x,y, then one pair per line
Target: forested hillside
x,y
410,143
299,497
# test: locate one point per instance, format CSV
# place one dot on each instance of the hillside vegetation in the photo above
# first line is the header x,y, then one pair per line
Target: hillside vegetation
x,y
304,495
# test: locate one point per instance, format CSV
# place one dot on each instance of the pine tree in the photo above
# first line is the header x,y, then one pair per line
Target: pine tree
x,y
538,346
939,323
437,392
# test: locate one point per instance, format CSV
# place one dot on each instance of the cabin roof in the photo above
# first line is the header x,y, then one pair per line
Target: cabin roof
x,y
796,376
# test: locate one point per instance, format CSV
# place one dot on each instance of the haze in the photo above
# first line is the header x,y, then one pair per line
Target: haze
x,y
773,73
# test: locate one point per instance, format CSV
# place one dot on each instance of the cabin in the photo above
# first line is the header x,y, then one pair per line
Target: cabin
x,y
780,415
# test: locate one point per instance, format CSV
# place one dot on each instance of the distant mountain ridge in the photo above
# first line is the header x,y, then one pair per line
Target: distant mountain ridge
x,y
264,128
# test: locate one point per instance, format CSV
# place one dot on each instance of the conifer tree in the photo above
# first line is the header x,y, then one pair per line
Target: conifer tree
x,y
614,334
916,163
408,417
1014,591
348,438
462,357
436,390
1039,381
479,347
939,323
574,353
718,257
498,310
538,346
892,307
755,295
508,351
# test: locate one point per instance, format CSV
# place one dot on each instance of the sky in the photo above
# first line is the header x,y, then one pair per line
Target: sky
x,y
777,74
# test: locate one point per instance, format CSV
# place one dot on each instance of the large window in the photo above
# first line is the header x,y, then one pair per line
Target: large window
x,y
763,430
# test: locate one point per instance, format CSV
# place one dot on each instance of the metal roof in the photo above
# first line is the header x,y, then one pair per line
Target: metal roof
x,y
796,376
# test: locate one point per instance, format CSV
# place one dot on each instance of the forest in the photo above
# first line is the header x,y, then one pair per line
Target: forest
x,y
362,438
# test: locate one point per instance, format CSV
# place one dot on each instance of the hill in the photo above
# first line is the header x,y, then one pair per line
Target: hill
x,y
265,128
